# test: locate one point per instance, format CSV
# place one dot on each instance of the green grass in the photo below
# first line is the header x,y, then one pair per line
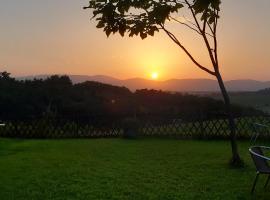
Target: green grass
x,y
123,169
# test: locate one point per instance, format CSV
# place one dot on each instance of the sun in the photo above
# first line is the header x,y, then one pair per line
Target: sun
x,y
154,75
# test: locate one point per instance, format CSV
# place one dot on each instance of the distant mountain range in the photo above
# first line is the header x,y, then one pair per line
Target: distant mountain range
x,y
179,85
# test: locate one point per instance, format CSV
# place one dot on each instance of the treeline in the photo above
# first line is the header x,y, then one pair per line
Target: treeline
x,y
56,96
265,91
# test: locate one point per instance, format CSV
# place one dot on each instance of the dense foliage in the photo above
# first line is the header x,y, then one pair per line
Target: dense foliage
x,y
145,17
56,96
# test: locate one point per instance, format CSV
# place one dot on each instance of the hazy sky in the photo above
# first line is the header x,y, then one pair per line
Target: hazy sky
x,y
56,36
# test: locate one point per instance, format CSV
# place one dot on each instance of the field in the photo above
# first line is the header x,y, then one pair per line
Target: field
x,y
124,169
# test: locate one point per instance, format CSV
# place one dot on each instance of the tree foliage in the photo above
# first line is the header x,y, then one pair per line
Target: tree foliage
x,y
145,17
57,96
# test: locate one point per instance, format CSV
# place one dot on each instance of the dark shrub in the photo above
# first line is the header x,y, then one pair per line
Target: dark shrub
x,y
131,128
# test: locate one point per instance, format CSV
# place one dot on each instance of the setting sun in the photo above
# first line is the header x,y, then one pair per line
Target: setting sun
x,y
154,75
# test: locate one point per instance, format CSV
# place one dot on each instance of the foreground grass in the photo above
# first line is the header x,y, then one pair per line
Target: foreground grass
x,y
123,169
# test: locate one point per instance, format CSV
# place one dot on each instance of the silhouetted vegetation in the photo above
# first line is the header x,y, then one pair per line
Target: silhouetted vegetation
x,y
265,91
57,97
259,100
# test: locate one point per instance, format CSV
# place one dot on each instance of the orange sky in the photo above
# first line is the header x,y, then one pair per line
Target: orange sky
x,y
49,37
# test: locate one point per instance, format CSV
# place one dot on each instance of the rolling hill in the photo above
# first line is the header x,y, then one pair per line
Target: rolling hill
x,y
204,85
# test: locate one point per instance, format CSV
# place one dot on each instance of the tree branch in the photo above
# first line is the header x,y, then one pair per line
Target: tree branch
x,y
194,15
215,42
175,40
204,25
203,34
189,21
190,27
211,29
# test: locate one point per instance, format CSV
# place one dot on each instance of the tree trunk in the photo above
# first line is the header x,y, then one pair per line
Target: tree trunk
x,y
235,160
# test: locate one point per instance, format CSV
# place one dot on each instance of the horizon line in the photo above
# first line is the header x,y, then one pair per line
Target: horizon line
x,y
132,78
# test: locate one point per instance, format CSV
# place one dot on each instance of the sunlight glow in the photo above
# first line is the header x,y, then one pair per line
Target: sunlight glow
x,y
154,75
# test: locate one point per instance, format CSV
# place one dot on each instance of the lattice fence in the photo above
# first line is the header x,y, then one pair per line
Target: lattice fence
x,y
209,129
199,129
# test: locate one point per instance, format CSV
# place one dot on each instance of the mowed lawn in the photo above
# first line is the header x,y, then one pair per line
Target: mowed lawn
x,y
124,169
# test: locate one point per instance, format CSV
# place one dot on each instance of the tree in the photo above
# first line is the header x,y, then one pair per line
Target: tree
x,y
5,76
146,17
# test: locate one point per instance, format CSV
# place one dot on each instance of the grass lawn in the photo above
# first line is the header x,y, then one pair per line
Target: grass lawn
x,y
124,169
